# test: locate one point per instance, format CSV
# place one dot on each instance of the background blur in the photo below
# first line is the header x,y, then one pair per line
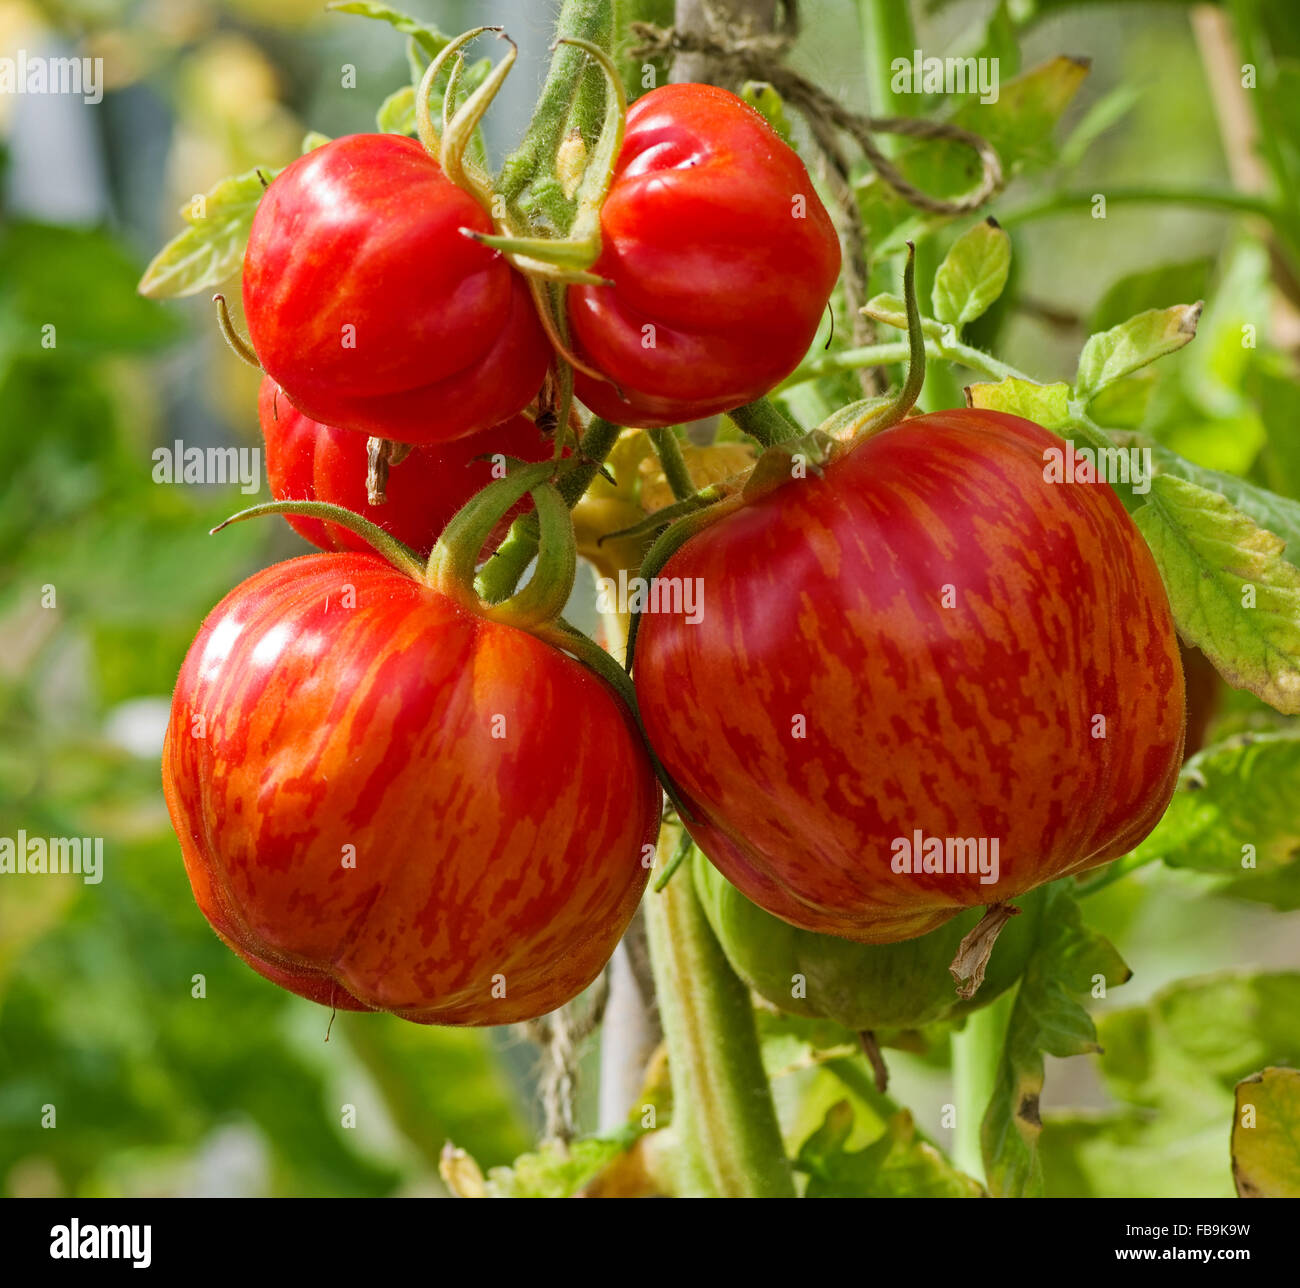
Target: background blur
x,y
240,1092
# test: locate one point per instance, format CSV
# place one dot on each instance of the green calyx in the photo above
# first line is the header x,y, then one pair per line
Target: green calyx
x,y
454,560
668,544
402,557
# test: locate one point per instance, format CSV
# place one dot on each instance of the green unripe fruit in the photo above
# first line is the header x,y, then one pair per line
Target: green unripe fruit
x,y
862,986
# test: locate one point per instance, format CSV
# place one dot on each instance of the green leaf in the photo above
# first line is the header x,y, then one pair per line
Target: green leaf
x,y
430,39
556,1172
1114,354
769,104
1266,1135
1232,593
1046,405
896,1165
1233,816
211,249
1278,514
397,114
1068,958
1152,288
973,274
1175,1061
1019,126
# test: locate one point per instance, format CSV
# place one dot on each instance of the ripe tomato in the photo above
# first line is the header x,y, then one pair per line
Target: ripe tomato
x,y
306,461
371,309
722,259
386,801
928,638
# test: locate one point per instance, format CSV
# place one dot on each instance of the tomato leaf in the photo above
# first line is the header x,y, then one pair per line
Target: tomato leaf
x,y
1174,1061
769,104
1153,288
895,1165
1233,816
1233,594
397,113
556,1171
210,250
1068,958
972,275
431,41
1020,126
1047,405
1114,354
1266,1135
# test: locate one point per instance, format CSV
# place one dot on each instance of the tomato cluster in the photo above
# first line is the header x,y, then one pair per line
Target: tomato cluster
x,y
393,795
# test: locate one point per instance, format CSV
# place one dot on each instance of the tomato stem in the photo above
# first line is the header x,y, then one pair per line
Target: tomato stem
x,y
723,1113
453,560
232,337
765,421
401,557
876,420
501,573
676,472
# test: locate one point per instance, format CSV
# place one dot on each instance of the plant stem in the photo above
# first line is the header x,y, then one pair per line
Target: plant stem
x,y
573,97
722,1103
939,343
765,421
1223,200
673,462
500,575
887,33
976,1053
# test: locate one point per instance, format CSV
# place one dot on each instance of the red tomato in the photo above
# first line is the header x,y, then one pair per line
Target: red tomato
x,y
722,259
387,801
371,309
306,461
923,639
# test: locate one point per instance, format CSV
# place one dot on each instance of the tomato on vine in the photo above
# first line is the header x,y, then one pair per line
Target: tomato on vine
x,y
928,645
720,259
307,461
373,311
391,796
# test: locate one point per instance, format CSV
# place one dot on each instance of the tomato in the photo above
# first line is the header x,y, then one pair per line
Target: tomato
x,y
386,801
722,260
371,309
861,986
929,643
306,461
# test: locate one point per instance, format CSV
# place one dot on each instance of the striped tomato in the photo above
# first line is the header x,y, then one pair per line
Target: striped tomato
x,y
307,461
387,801
929,645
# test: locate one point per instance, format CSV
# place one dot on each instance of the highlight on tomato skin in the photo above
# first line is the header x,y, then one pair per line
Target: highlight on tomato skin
x,y
722,259
375,813
371,309
307,461
929,642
